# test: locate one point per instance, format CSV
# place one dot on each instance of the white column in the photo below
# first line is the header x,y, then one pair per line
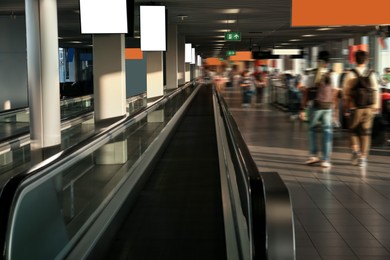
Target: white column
x,y
171,55
109,76
180,59
43,73
154,77
187,73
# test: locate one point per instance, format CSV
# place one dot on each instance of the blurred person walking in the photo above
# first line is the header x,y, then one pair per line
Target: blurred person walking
x,y
247,88
361,103
260,84
319,100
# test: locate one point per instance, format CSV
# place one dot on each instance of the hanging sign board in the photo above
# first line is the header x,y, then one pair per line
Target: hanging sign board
x,y
233,36
336,12
102,16
152,28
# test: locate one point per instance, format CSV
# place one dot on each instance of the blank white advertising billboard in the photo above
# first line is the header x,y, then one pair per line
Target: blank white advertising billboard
x,y
193,57
152,28
188,53
103,16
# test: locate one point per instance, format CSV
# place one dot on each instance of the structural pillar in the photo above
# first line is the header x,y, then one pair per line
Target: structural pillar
x,y
171,54
43,73
110,91
154,74
109,76
180,59
187,73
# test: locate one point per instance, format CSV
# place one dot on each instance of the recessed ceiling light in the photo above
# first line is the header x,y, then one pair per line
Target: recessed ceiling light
x,y
295,40
230,11
285,43
222,30
74,42
324,29
227,21
308,35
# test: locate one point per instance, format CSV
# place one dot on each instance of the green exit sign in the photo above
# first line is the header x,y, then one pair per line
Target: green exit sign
x,y
230,53
232,36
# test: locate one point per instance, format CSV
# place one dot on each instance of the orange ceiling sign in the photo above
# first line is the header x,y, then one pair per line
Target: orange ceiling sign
x,y
339,12
133,54
213,62
241,56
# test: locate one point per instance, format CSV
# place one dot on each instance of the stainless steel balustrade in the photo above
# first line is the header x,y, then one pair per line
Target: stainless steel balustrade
x,y
15,149
59,201
260,215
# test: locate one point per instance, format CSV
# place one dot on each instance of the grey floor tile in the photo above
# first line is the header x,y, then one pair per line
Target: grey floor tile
x,y
371,251
357,243
335,251
303,253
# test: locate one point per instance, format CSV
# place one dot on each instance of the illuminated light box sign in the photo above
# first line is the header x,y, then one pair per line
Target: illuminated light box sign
x,y
102,16
152,28
336,12
188,53
199,60
193,56
286,51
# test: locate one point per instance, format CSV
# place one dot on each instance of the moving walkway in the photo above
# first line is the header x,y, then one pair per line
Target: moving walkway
x,y
175,179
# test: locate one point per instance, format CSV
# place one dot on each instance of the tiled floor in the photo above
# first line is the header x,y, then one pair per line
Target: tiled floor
x,y
340,213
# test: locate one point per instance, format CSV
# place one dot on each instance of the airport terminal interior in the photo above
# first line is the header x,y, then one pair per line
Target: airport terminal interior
x,y
180,130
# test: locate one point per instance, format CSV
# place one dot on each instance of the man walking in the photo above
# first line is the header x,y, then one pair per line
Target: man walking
x,y
319,98
361,103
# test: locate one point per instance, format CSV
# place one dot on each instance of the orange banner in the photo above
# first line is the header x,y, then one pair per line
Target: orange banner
x,y
336,12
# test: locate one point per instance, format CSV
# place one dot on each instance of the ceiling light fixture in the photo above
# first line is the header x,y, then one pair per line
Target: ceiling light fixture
x,y
325,29
308,35
230,11
227,21
295,40
182,16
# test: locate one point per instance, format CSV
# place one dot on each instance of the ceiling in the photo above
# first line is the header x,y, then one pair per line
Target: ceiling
x,y
262,24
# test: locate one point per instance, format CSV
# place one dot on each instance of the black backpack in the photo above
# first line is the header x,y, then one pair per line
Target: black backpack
x,y
362,92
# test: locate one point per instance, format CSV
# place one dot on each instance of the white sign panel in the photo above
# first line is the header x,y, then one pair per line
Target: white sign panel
x,y
188,53
193,57
286,51
152,28
103,16
199,61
